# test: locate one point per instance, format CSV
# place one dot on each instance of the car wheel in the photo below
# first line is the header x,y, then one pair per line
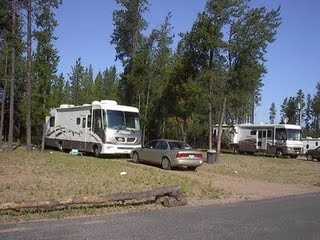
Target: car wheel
x,y
165,163
279,153
135,157
309,157
191,168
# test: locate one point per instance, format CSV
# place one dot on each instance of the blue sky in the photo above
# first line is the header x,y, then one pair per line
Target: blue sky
x,y
293,62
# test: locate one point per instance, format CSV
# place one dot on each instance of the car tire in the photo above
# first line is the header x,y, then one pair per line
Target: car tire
x,y
135,157
191,168
165,163
309,157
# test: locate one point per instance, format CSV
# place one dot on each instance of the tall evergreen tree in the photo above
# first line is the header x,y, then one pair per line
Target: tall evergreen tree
x,y
308,115
272,113
300,106
75,80
45,61
127,37
316,111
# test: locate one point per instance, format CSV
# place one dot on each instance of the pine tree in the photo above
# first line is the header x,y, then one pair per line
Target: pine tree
x,y
272,113
127,37
45,63
76,79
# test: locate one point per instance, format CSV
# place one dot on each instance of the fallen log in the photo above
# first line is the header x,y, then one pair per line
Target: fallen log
x,y
168,196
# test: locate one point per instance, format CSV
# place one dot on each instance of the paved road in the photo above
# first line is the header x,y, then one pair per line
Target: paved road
x,y
284,218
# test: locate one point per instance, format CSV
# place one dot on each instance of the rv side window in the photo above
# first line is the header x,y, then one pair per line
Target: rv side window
x,y
52,120
89,121
83,122
78,121
253,133
269,134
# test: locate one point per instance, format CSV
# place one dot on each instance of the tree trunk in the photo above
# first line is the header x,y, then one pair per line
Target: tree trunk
x,y
43,140
168,196
210,125
29,81
223,110
11,108
3,102
146,112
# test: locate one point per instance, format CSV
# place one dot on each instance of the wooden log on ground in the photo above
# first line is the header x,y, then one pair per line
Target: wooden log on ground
x,y
173,193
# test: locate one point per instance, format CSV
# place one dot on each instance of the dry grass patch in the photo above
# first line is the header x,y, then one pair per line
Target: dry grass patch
x,y
52,174
268,169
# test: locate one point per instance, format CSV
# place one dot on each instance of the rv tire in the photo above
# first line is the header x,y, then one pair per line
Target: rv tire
x,y
60,146
236,150
135,157
96,151
279,153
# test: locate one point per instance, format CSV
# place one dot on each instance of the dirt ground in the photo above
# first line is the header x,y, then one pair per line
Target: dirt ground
x,y
252,189
248,189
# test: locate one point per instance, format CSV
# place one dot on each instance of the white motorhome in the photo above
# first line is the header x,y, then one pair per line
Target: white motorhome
x,y
310,143
102,127
274,139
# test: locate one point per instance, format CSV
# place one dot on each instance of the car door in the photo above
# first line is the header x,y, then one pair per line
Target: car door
x,y
160,151
147,152
317,153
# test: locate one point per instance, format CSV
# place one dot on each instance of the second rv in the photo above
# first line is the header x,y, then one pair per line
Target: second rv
x,y
273,139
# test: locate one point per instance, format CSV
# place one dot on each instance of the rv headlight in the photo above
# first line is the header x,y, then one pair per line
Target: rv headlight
x,y
120,139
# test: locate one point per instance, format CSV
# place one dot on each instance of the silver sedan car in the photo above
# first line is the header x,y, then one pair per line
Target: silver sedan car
x,y
168,154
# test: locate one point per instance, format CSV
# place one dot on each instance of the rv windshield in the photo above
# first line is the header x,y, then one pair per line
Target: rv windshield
x,y
123,120
288,134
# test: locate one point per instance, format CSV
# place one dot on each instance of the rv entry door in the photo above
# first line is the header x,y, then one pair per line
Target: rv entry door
x,y
262,140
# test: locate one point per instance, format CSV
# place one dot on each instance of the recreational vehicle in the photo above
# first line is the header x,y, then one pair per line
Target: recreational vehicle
x,y
274,139
102,127
310,143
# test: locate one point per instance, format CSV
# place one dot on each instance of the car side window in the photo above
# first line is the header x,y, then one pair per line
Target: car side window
x,y
162,145
151,145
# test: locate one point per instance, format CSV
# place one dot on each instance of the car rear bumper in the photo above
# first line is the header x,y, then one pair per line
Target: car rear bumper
x,y
188,162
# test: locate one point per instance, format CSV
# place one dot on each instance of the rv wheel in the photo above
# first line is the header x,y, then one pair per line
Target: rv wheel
x,y
96,151
236,150
279,153
135,157
60,146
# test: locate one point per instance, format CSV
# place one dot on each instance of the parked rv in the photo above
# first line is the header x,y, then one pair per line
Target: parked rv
x,y
102,127
310,143
274,139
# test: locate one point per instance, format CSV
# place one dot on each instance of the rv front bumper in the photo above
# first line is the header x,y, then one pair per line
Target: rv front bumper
x,y
118,149
294,151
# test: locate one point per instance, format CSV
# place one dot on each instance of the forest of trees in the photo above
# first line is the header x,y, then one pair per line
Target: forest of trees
x,y
213,75
302,109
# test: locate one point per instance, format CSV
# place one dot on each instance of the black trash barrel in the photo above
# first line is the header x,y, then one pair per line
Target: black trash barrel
x,y
211,156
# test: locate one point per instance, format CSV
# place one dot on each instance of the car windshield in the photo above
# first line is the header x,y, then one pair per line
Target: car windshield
x,y
123,120
179,145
